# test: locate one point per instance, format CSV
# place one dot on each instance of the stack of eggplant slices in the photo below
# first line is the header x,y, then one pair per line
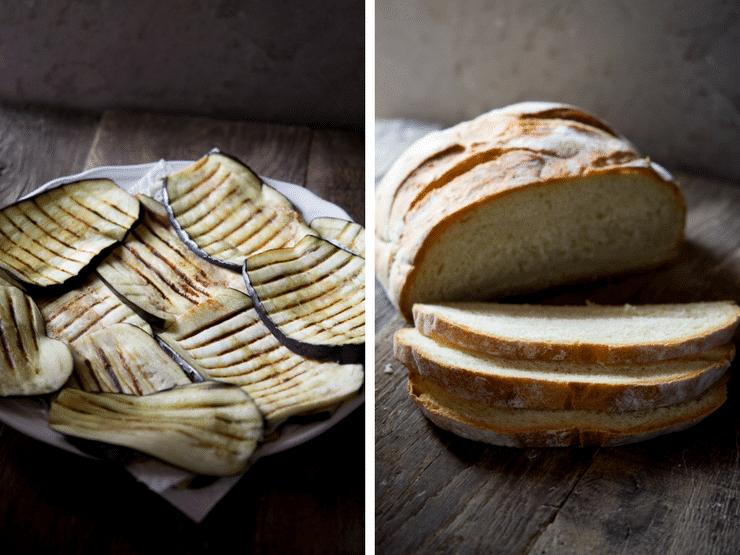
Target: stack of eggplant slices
x,y
187,330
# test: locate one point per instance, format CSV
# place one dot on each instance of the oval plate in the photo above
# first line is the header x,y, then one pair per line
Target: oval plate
x,y
30,416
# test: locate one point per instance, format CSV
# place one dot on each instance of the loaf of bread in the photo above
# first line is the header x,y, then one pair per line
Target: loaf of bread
x,y
627,334
517,200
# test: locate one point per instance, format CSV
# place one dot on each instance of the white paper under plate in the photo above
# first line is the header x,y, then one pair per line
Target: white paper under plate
x,y
30,416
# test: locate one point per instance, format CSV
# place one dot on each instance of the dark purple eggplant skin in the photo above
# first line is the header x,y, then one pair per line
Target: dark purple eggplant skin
x,y
337,243
185,236
76,280
342,354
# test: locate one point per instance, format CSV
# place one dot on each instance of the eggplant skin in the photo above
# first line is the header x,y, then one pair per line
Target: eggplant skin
x,y
51,238
312,298
223,211
208,428
345,234
224,339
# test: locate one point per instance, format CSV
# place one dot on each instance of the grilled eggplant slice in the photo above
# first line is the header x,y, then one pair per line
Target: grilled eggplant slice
x,y
208,428
123,358
344,233
223,211
50,238
225,340
30,362
312,298
86,309
154,270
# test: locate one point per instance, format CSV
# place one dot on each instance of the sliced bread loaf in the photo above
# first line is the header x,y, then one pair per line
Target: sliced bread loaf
x,y
558,428
517,200
517,383
589,333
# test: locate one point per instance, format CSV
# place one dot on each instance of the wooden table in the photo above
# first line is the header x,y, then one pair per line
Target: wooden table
x,y
680,493
309,499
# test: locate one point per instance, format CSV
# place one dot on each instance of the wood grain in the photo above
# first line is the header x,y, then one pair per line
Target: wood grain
x,y
336,170
38,145
276,151
679,493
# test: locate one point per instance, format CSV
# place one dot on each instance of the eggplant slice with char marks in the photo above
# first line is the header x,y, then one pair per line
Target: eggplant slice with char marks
x,y
344,233
30,362
50,238
154,271
224,339
123,358
209,428
85,309
312,298
224,212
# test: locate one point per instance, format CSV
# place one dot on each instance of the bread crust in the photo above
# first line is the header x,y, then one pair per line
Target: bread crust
x,y
430,187
470,421
561,385
435,325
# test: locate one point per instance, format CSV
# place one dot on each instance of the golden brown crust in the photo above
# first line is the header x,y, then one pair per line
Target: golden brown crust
x,y
449,174
435,325
566,428
565,385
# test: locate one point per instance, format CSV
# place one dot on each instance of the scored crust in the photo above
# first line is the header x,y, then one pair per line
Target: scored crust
x,y
448,176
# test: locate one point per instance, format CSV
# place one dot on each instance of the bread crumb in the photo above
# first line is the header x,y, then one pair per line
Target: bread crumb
x,y
388,369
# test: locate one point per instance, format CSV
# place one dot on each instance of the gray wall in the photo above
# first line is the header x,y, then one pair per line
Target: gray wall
x,y
664,73
276,60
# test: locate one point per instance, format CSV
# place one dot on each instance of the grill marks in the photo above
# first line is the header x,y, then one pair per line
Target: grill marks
x,y
91,307
30,362
50,238
207,428
344,233
314,293
158,273
125,359
224,212
154,275
226,341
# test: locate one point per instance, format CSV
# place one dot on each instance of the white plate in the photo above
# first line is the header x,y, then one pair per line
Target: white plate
x,y
30,416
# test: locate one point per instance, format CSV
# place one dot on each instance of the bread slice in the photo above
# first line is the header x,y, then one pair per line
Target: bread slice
x,y
558,428
499,382
590,333
517,200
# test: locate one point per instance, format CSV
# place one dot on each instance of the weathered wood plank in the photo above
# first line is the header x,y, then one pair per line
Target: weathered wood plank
x,y
640,508
336,170
39,145
277,151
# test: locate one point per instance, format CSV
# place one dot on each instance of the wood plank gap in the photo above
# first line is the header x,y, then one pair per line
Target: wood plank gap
x,y
309,154
556,508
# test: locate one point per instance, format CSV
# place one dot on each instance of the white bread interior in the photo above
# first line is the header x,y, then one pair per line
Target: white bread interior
x,y
624,334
